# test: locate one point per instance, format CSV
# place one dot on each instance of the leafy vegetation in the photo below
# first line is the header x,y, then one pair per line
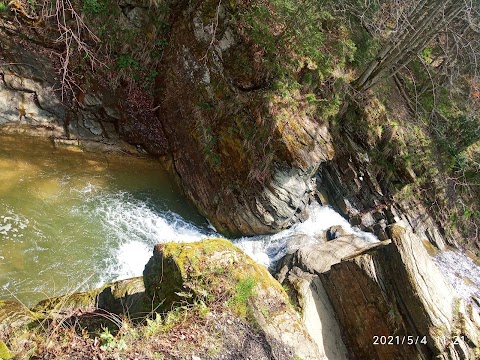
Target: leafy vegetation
x,y
244,290
94,7
110,343
438,135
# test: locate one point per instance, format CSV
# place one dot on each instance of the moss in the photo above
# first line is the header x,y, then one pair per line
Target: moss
x,y
15,314
4,352
218,272
244,290
80,300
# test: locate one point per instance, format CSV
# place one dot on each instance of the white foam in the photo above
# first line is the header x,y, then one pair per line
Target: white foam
x,y
456,266
134,228
12,224
132,257
268,249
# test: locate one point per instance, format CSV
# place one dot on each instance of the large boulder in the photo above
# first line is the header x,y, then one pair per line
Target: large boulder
x,y
220,274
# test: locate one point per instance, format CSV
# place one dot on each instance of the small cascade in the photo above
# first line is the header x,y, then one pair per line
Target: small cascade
x,y
462,273
268,249
134,228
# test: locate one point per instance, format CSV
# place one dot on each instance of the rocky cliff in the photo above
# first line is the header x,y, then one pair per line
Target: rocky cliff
x,y
256,152
251,143
251,132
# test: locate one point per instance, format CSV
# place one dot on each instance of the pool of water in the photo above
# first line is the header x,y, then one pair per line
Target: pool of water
x,y
72,220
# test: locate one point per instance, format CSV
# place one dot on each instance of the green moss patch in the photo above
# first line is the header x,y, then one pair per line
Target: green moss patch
x,y
213,271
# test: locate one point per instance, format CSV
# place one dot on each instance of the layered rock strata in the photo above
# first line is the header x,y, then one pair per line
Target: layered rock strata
x,y
390,300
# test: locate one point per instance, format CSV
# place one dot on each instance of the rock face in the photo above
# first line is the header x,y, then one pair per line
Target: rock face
x,y
391,292
227,136
215,270
32,103
365,178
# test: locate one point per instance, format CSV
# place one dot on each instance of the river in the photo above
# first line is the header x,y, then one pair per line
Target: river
x,y
71,221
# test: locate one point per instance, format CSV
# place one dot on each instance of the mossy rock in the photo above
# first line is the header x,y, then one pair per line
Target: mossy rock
x,y
4,352
81,300
121,297
207,269
219,274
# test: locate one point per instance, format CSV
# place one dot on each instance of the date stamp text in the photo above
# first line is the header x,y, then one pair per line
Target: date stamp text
x,y
410,340
399,340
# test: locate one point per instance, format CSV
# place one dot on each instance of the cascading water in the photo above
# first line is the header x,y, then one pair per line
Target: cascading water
x,y
72,221
462,273
267,249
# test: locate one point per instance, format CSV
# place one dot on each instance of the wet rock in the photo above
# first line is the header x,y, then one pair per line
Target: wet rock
x,y
335,232
319,258
379,231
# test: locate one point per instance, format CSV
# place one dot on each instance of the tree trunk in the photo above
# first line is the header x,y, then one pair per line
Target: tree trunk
x,y
428,19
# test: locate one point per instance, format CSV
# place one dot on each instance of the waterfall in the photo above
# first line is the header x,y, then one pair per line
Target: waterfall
x,y
135,229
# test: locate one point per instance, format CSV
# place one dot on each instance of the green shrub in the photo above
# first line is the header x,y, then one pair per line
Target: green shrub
x,y
109,342
127,62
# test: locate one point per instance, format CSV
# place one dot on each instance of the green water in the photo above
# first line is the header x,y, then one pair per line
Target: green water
x,y
71,220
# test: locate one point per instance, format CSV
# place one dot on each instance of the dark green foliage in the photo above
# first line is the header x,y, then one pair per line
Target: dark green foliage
x,y
295,33
127,62
94,7
459,133
366,48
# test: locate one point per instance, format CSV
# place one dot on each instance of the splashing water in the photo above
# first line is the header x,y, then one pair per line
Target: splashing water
x,y
132,228
72,221
461,272
268,249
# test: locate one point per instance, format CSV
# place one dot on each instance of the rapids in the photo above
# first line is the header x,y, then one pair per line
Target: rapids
x,y
72,221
